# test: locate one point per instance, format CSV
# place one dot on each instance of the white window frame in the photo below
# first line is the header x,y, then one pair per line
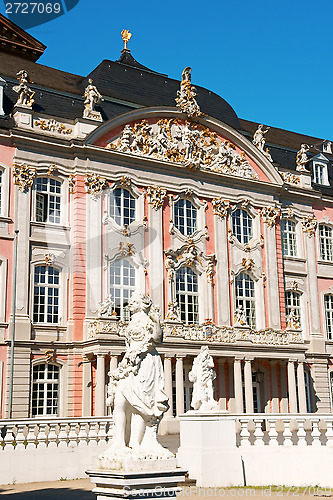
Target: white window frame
x,y
5,182
250,308
182,203
320,173
296,306
47,286
329,332
48,193
124,313
325,242
184,305
45,381
131,197
289,237
245,237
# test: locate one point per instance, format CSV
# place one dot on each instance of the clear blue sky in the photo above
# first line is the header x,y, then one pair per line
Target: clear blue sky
x,y
272,61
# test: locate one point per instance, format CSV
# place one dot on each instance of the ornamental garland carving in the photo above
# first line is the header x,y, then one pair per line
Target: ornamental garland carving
x,y
52,170
126,249
156,196
23,176
95,184
247,264
173,312
269,215
309,224
189,255
71,183
53,126
185,99
220,207
190,144
290,178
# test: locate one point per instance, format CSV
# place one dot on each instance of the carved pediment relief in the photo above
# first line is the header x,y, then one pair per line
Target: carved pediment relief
x,y
192,145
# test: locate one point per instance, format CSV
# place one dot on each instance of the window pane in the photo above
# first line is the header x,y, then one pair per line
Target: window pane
x,y
245,299
326,242
329,315
288,235
46,295
48,200
185,215
242,225
122,206
45,390
122,285
187,295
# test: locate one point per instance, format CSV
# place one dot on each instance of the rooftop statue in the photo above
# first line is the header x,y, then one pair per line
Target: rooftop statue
x,y
91,98
25,94
185,99
259,140
302,158
136,389
202,376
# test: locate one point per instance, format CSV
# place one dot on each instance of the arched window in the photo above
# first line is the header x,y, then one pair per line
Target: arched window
x,y
185,217
328,301
48,200
45,389
122,284
288,235
245,298
46,294
187,295
326,242
293,303
242,225
122,206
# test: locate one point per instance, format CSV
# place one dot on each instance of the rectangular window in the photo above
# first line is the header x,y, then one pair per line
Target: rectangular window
x,y
293,307
48,200
326,242
45,390
328,300
46,295
187,295
288,235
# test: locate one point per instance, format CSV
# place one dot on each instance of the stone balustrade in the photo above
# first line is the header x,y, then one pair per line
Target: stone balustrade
x,y
48,449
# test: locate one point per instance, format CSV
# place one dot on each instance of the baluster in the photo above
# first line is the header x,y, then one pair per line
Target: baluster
x,y
315,432
287,434
301,432
244,432
7,435
82,435
52,437
93,432
329,433
42,436
109,430
72,435
63,435
272,433
258,433
31,435
20,437
101,432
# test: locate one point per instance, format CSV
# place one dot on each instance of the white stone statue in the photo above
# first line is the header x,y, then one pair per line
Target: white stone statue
x,y
91,98
25,94
106,308
302,158
202,376
258,137
136,390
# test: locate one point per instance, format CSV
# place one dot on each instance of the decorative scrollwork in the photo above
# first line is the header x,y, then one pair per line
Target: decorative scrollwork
x,y
71,183
290,178
95,184
269,215
309,224
185,99
52,170
53,126
220,207
23,176
247,264
156,196
126,249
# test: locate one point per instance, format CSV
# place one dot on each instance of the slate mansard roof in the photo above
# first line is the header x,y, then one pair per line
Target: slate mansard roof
x,y
126,85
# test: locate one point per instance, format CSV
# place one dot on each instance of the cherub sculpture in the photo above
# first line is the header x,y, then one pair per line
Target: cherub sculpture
x,y
136,388
202,376
106,308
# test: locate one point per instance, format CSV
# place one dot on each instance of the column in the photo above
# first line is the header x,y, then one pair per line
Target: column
x,y
86,387
100,386
274,384
222,271
113,362
301,388
238,385
283,388
168,383
231,386
292,387
248,386
222,388
314,309
272,273
179,384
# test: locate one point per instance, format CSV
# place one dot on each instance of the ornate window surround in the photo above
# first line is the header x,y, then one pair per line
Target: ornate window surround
x,y
296,249
200,264
59,263
4,209
291,213
298,286
62,395
255,242
201,231
139,222
258,280
42,172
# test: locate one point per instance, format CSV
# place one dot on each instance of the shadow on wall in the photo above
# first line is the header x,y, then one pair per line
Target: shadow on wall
x,y
48,494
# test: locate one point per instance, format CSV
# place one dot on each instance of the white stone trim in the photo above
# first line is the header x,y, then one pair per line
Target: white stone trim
x,y
63,382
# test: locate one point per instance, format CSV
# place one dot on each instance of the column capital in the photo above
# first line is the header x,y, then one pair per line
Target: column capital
x,y
238,358
168,356
181,356
248,359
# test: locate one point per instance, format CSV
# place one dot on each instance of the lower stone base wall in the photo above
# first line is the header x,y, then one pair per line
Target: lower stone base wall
x,y
51,463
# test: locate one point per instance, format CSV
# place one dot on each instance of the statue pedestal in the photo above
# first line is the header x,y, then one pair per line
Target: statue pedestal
x,y
150,484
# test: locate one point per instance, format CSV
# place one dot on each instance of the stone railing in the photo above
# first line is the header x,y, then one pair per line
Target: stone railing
x,y
41,432
285,430
49,449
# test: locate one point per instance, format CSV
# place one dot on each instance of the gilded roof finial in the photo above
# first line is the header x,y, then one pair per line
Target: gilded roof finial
x,y
126,36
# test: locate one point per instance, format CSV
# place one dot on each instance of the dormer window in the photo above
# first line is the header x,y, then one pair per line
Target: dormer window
x,y
327,147
320,173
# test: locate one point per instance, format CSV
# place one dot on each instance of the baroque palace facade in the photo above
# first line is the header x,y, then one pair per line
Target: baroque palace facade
x,y
127,179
